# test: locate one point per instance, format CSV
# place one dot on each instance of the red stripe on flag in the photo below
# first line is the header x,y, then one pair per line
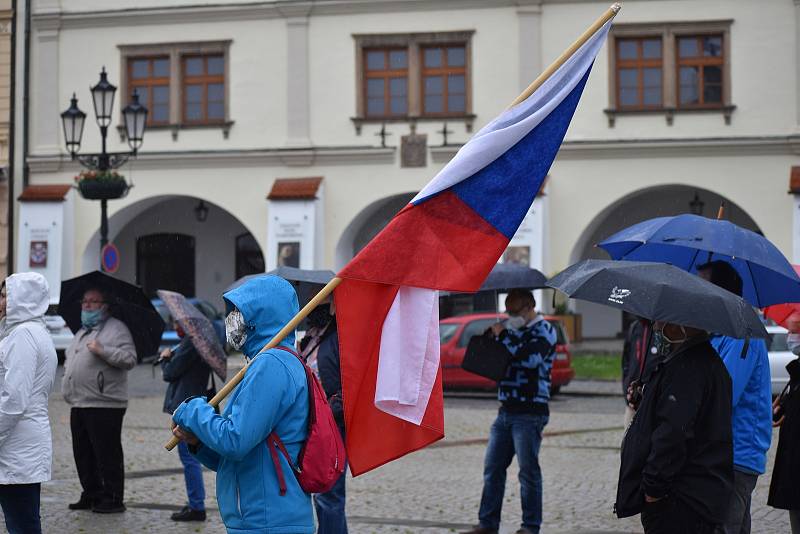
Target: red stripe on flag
x,y
439,244
374,437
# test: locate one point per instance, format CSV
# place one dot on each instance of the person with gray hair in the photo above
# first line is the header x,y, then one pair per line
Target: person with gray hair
x,y
95,384
27,371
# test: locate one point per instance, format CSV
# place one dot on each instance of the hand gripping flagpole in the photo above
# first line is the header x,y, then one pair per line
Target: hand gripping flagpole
x,y
328,289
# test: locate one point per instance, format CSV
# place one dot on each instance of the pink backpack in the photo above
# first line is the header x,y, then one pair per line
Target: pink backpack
x,y
322,458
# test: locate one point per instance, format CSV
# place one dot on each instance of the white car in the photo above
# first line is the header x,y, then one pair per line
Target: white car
x,y
779,356
59,333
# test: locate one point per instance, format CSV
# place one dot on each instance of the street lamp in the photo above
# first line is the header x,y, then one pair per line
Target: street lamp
x,y
104,185
696,205
201,211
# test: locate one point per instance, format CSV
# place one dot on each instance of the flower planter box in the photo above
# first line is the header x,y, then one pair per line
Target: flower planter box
x,y
102,189
572,323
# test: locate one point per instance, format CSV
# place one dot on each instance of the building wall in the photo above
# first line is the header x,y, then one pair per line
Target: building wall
x,y
292,96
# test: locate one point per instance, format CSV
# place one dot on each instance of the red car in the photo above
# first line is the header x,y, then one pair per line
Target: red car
x,y
455,333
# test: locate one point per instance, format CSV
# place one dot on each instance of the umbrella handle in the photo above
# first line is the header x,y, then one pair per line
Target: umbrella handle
x,y
285,331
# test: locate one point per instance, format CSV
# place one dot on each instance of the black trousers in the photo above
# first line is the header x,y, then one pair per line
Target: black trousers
x,y
20,503
97,447
672,516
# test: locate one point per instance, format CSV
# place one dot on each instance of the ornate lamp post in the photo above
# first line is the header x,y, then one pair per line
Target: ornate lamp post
x,y
102,182
696,205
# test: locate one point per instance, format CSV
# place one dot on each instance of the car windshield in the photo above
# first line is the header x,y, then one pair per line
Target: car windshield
x,y
778,342
446,332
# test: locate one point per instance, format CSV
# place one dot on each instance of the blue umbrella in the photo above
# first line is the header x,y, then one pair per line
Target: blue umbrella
x,y
688,241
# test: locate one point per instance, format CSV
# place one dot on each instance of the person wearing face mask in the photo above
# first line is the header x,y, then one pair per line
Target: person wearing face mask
x,y
524,393
188,376
676,466
272,397
95,385
323,350
784,488
27,372
752,404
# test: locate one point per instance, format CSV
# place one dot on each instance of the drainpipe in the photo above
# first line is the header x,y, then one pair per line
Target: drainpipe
x,y
26,96
11,138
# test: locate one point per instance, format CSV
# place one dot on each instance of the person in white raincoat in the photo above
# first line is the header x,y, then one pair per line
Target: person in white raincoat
x,y
27,371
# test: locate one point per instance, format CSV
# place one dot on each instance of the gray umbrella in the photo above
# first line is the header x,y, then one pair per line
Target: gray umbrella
x,y
505,276
660,292
307,282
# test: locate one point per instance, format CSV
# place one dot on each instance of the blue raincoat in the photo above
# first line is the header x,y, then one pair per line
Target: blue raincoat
x,y
272,396
752,401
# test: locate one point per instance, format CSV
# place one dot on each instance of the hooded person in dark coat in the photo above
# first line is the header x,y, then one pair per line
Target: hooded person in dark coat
x,y
677,456
784,488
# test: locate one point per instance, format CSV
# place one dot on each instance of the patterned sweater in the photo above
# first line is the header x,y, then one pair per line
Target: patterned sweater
x,y
526,385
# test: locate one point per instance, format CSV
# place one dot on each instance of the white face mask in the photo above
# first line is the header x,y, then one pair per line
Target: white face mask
x,y
515,322
235,329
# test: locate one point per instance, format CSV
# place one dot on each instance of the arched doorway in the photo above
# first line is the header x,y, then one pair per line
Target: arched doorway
x,y
660,201
180,243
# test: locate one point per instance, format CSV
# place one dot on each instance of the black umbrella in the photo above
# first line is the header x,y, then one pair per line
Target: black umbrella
x,y
307,282
127,302
505,276
660,292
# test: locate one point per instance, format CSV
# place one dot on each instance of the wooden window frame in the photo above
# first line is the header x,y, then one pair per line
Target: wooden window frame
x,y
414,43
387,74
204,80
149,82
699,61
176,52
640,63
669,32
443,71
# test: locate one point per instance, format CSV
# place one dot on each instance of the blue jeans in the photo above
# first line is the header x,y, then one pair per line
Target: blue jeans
x,y
193,474
330,506
511,434
20,503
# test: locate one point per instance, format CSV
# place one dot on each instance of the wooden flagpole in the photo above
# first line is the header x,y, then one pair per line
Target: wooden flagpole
x,y
328,289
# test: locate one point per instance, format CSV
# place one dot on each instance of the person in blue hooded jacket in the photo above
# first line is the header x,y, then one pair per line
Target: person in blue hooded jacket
x,y
752,404
273,396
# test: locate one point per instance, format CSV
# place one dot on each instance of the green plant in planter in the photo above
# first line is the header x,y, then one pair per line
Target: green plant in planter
x,y
98,185
561,309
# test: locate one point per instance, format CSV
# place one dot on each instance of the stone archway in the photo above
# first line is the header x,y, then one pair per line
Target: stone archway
x,y
216,259
659,201
367,224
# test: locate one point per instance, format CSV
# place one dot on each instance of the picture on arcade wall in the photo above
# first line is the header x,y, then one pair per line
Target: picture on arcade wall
x,y
37,257
289,254
519,255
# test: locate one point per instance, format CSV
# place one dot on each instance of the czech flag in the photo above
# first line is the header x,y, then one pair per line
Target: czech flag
x,y
448,238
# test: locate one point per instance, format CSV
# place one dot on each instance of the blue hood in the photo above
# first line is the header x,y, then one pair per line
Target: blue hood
x,y
267,303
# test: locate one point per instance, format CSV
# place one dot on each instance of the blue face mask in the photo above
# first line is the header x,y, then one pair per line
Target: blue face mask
x,y
90,318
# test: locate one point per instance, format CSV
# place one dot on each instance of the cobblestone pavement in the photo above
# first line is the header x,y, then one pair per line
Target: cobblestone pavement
x,y
433,491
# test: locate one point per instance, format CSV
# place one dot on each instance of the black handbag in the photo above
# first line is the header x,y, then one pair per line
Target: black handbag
x,y
487,357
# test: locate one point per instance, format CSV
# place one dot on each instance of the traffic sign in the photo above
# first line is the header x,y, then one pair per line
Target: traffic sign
x,y
109,258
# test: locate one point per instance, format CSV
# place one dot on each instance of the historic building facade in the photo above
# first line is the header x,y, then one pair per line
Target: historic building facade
x,y
289,132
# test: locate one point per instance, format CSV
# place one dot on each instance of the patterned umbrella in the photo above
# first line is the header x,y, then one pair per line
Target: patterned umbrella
x,y
198,328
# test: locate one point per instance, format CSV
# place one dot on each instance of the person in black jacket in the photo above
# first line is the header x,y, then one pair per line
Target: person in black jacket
x,y
330,506
188,376
784,488
677,456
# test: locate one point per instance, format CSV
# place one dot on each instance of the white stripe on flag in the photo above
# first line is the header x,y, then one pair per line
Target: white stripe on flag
x,y
409,354
497,137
